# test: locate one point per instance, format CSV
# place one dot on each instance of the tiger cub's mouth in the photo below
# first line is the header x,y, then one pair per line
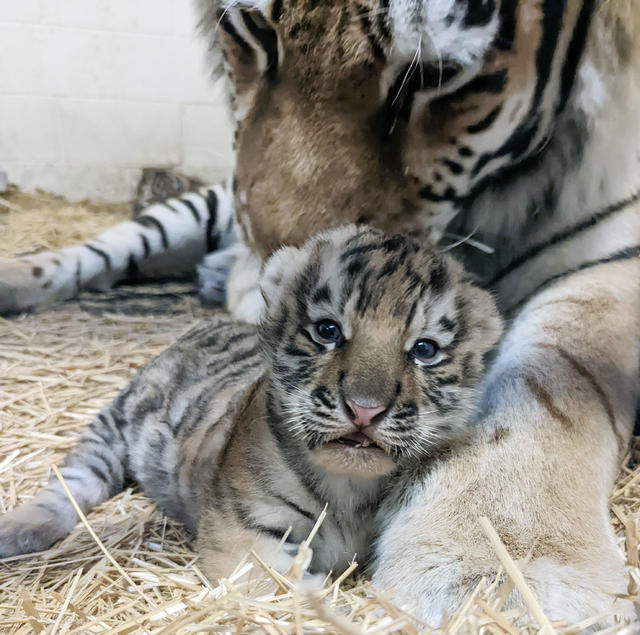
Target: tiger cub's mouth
x,y
354,454
356,440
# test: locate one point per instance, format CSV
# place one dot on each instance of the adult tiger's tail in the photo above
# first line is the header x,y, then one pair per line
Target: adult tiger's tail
x,y
166,238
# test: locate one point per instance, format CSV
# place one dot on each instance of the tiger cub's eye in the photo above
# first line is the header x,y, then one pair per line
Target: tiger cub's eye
x,y
327,331
425,351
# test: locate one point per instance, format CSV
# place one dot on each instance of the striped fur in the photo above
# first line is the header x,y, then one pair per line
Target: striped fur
x,y
235,431
510,130
164,239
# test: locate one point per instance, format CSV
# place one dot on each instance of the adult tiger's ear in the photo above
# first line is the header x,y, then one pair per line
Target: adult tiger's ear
x,y
278,273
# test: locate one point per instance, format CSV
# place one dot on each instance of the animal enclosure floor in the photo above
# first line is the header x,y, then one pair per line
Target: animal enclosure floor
x,y
58,367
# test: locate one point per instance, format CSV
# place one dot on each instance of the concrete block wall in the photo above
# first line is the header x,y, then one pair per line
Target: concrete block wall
x,y
92,91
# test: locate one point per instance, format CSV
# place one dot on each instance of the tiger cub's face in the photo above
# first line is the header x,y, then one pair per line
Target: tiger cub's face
x,y
375,345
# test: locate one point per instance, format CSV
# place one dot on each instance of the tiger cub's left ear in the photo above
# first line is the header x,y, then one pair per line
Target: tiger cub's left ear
x,y
278,272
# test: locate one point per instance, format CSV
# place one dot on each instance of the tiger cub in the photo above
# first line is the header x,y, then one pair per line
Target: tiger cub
x,y
367,357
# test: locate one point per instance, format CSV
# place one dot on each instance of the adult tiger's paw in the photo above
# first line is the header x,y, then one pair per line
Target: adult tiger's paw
x,y
33,281
439,585
244,298
213,274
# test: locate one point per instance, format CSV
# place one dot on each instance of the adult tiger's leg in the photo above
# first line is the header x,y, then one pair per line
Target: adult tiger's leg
x,y
558,412
244,298
166,238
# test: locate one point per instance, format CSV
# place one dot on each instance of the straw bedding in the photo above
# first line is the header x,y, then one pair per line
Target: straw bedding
x,y
129,569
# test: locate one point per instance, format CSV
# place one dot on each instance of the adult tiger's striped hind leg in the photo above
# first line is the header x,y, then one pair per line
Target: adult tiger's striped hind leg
x,y
557,416
166,238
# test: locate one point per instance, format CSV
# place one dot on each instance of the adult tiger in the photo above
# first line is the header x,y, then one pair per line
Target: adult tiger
x,y
512,125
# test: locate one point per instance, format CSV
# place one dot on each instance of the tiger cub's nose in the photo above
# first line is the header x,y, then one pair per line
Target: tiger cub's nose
x,y
362,415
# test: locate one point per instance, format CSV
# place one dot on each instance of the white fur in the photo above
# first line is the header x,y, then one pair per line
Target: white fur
x,y
421,25
71,268
244,298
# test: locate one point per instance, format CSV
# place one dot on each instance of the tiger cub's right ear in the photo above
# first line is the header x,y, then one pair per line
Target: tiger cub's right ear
x,y
278,272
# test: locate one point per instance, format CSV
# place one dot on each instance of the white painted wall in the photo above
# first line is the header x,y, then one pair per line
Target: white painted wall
x,y
91,91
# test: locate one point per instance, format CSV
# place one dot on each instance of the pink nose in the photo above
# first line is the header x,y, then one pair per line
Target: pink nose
x,y
363,416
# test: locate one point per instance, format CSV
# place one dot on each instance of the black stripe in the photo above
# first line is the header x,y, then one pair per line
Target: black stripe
x,y
319,348
245,49
438,277
489,83
240,369
437,398
290,451
428,194
454,166
118,418
563,235
146,247
294,506
212,205
516,145
276,10
102,254
483,124
624,254
192,208
319,393
242,514
268,41
132,267
507,33
150,221
321,294
73,477
383,20
447,380
479,13
98,472
294,351
446,323
101,427
412,78
411,314
367,29
78,275
521,139
574,51
270,531
552,15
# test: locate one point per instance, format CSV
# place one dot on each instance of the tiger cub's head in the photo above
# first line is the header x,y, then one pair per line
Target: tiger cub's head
x,y
375,345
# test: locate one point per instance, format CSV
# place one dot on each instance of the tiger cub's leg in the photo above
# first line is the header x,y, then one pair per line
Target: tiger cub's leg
x,y
226,542
165,429
166,238
557,416
94,472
